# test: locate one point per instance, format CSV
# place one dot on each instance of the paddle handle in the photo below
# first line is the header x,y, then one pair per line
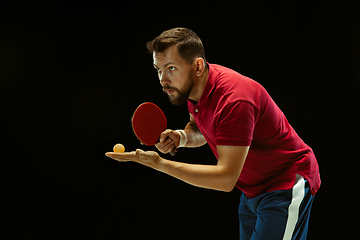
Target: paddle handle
x,y
173,152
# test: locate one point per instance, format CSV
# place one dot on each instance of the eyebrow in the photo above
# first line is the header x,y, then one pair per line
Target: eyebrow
x,y
165,65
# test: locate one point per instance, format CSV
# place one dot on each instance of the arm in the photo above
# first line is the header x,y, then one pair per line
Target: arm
x,y
222,176
195,137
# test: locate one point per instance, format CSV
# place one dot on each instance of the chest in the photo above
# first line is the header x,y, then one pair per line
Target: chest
x,y
206,118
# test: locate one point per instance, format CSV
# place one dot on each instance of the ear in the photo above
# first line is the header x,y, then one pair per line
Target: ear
x,y
199,66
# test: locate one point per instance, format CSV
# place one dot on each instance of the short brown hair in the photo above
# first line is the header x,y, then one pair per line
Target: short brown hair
x,y
189,45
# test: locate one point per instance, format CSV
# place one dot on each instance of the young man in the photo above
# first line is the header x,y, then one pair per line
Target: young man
x,y
257,149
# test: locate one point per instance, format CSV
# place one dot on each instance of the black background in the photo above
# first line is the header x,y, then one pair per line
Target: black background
x,y
71,74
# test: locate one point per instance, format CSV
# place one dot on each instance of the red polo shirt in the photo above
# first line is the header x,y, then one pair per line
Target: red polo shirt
x,y
235,110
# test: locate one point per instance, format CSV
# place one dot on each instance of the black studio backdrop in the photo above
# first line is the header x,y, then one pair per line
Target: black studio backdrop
x,y
71,74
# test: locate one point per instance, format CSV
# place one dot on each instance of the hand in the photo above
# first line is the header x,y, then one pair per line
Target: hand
x,y
148,158
169,140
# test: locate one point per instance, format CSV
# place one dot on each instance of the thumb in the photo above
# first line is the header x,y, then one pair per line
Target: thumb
x,y
139,152
164,135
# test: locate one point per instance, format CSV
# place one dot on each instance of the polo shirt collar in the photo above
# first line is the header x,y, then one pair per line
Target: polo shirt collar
x,y
209,87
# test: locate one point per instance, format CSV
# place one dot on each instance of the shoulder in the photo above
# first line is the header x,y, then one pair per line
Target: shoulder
x,y
232,86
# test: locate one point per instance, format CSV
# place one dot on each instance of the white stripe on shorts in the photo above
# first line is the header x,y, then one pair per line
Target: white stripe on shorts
x,y
298,193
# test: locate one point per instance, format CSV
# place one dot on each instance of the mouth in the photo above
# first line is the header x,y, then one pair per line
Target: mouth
x,y
169,91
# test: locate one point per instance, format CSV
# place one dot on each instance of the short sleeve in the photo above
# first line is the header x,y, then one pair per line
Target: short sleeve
x,y
236,124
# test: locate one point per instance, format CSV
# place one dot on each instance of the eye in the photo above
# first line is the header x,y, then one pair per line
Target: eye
x,y
172,68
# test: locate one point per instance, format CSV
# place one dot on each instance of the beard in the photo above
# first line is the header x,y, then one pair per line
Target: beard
x,y
180,96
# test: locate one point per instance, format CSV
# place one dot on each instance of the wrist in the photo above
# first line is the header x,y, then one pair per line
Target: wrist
x,y
183,138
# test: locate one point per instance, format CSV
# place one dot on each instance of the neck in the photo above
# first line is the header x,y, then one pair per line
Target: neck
x,y
199,87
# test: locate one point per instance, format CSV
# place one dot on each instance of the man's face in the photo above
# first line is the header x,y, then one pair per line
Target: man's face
x,y
175,74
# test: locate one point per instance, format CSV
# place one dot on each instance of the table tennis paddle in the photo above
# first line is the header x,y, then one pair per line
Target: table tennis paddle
x,y
148,122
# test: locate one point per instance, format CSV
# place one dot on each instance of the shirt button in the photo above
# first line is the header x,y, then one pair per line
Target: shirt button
x,y
196,110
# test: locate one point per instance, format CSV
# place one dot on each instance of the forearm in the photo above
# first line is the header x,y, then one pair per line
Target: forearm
x,y
222,176
205,176
194,136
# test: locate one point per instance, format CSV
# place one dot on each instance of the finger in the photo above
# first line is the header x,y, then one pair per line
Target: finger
x,y
169,146
159,146
139,152
142,155
121,157
163,147
175,136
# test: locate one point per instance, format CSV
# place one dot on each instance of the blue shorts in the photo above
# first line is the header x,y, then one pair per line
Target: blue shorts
x,y
278,215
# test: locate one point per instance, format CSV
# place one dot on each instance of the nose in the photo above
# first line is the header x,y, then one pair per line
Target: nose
x,y
163,79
